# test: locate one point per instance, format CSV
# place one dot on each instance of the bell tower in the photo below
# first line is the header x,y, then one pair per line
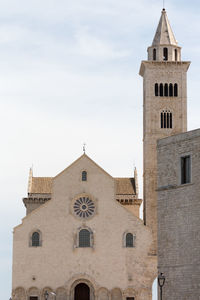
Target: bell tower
x,y
164,108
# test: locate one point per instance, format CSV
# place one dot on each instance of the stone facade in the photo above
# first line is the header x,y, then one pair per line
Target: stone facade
x,y
59,264
178,216
47,250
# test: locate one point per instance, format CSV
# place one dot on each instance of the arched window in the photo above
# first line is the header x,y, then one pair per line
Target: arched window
x,y
84,238
84,176
35,240
161,90
166,119
154,54
176,54
165,53
166,90
171,90
129,240
176,90
156,89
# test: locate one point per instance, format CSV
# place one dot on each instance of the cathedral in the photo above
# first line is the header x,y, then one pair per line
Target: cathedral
x,y
82,238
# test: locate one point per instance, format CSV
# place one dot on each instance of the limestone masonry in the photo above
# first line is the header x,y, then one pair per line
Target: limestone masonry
x,y
178,215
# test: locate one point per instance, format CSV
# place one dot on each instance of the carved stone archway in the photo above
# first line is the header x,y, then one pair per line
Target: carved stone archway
x,y
84,282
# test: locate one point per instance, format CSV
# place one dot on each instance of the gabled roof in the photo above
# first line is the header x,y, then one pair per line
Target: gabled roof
x,y
43,185
164,34
87,157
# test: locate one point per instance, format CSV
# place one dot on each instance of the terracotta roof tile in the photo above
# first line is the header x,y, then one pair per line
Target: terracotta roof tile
x,y
125,186
41,185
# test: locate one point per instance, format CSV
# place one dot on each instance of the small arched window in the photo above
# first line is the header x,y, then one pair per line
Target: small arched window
x,y
176,90
166,90
161,90
165,54
84,176
129,240
176,54
156,89
166,119
154,54
35,239
84,238
171,90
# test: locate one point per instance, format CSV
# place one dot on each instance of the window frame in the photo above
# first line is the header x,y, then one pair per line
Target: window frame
x,y
124,239
31,240
156,89
84,176
154,54
185,181
175,54
77,245
165,54
166,119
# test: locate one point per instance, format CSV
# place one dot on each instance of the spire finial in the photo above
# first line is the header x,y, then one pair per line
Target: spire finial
x,y
84,144
163,5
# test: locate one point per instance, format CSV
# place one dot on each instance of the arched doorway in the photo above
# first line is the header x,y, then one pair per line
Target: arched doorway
x,y
82,292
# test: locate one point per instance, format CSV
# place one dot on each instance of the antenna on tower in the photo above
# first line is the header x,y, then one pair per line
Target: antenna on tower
x,y
163,4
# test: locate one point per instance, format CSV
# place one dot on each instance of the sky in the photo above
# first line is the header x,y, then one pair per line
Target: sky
x,y
69,75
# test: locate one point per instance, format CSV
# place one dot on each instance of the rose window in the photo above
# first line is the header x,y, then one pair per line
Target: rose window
x,y
84,207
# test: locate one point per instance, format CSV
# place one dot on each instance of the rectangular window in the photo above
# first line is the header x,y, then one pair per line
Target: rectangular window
x,y
185,169
130,298
33,298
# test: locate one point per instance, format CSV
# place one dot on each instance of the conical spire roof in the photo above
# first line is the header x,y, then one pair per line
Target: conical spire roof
x,y
164,34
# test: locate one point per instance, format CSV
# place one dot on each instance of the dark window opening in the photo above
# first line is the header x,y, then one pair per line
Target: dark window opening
x,y
166,119
154,54
176,54
35,239
161,90
33,298
170,124
161,119
171,90
166,90
129,240
176,90
84,176
130,298
84,238
156,89
185,169
165,54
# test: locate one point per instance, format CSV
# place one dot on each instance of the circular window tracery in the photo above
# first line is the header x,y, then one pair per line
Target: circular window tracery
x,y
84,207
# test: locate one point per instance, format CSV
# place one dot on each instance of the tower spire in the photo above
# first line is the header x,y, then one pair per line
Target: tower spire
x,y
164,46
164,34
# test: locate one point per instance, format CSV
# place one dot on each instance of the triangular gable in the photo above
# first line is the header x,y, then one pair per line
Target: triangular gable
x,y
81,157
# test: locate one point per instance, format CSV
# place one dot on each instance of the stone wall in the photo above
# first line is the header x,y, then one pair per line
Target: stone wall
x,y
178,217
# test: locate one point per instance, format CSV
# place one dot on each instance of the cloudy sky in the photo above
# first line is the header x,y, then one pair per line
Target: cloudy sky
x,y
68,75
